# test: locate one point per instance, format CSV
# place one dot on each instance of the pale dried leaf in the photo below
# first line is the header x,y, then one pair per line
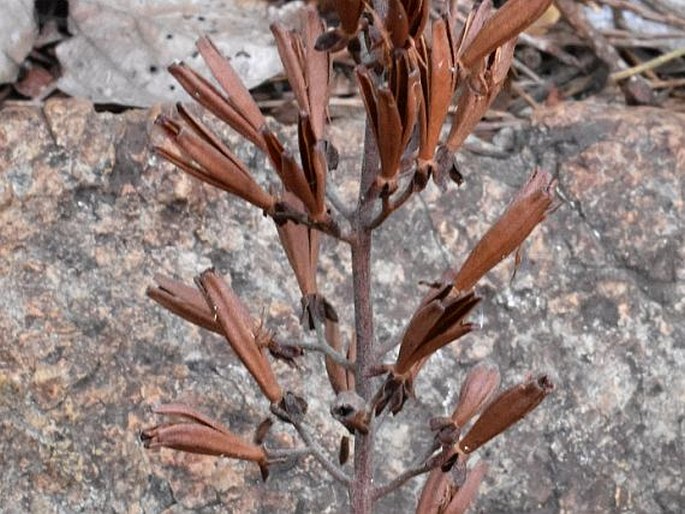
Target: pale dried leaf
x,y
120,50
18,31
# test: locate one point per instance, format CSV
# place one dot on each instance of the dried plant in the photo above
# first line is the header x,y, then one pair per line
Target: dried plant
x,y
411,64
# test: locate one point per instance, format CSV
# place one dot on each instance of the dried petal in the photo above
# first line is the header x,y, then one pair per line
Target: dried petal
x,y
349,12
397,24
438,79
418,12
230,81
209,97
478,94
434,325
480,384
301,246
307,69
435,494
509,407
464,496
209,160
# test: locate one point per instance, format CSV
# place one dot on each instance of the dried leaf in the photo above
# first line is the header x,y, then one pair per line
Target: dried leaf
x,y
119,50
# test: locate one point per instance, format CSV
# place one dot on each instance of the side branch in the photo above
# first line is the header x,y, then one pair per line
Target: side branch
x,y
402,478
322,346
317,451
390,205
283,212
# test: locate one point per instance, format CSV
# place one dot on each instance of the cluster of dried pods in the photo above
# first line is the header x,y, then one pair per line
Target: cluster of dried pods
x,y
411,62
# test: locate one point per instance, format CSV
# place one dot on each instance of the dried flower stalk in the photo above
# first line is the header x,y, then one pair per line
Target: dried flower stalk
x,y
409,71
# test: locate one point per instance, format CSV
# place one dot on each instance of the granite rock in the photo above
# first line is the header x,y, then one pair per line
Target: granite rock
x,y
88,216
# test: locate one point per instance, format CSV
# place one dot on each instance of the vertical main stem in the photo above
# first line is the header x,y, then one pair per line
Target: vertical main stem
x,y
362,484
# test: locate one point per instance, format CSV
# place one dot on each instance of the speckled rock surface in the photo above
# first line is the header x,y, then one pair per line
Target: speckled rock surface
x,y
87,217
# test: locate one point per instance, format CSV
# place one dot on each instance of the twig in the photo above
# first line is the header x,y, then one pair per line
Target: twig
x,y
645,13
664,84
401,479
522,93
330,227
316,450
285,454
384,349
516,63
391,206
647,65
322,346
550,47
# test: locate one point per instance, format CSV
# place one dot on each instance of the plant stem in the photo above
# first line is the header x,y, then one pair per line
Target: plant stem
x,y
361,489
362,484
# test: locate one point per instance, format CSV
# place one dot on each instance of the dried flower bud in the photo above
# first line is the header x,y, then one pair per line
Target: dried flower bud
x,y
529,207
184,301
293,406
510,20
480,384
509,407
239,329
200,435
344,452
